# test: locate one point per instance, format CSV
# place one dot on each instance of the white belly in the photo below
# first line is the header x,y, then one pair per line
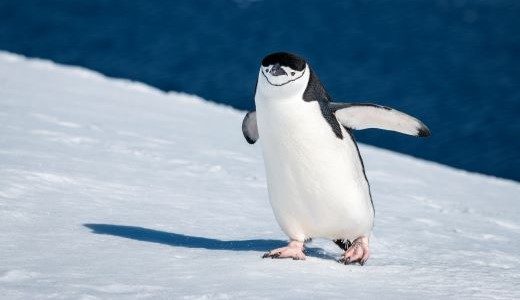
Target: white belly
x,y
315,180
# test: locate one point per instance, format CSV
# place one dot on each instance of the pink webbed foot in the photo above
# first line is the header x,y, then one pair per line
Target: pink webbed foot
x,y
293,250
358,252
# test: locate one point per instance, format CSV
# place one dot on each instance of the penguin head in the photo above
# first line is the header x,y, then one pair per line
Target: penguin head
x,y
282,74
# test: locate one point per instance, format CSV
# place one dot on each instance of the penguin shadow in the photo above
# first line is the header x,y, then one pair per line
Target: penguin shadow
x,y
189,241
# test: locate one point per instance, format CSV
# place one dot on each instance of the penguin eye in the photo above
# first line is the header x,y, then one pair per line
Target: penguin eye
x,y
267,70
292,73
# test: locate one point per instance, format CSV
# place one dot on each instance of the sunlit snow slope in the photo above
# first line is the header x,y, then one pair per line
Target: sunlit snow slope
x,y
110,188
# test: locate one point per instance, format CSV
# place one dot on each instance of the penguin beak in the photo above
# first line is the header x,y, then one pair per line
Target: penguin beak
x,y
277,70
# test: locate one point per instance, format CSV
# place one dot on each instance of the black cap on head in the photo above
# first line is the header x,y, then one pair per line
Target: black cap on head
x,y
285,59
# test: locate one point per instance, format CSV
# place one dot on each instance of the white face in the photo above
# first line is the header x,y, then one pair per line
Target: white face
x,y
276,81
280,75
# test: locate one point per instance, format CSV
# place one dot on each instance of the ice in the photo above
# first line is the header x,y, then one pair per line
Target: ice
x,y
113,189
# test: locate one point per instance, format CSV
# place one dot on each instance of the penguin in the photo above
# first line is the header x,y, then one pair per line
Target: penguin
x,y
316,179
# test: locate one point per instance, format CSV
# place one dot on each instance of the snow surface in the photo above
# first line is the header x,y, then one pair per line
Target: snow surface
x,y
111,189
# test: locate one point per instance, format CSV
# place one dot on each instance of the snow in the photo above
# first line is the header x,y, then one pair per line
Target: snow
x,y
111,189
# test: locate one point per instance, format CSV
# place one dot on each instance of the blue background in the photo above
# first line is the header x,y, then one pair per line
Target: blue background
x,y
453,64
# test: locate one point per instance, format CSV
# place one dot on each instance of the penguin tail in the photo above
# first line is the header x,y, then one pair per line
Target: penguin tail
x,y
343,244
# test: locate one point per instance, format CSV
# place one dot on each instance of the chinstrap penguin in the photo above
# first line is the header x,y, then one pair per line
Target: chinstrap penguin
x,y
315,175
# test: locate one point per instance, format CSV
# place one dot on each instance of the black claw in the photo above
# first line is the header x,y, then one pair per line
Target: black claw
x,y
361,263
271,255
344,261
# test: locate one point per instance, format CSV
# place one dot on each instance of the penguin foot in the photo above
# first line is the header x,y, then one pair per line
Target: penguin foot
x,y
293,250
358,252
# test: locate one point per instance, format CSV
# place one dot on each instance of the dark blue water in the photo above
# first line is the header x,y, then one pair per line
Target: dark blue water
x,y
454,64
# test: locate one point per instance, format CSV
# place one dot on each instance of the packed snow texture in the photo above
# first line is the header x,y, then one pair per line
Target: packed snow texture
x,y
110,188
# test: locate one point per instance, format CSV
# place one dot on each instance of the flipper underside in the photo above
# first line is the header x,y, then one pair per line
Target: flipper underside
x,y
359,116
249,127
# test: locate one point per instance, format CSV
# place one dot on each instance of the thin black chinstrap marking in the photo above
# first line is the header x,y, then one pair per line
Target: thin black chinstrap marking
x,y
262,71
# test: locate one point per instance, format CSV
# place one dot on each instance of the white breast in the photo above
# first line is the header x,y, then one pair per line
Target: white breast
x,y
316,183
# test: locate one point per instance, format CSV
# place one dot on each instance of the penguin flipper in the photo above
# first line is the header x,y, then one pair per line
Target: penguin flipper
x,y
366,115
249,127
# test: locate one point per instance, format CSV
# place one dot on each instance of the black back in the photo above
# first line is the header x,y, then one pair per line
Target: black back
x,y
316,92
